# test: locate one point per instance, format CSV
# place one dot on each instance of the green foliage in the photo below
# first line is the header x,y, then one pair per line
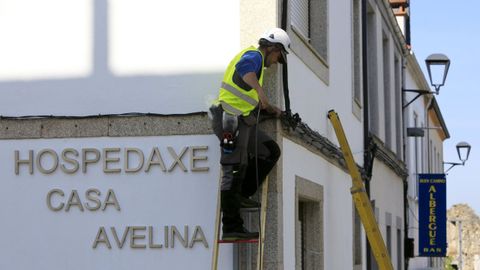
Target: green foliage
x,y
448,263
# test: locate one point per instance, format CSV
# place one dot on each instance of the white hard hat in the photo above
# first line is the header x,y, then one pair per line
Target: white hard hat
x,y
278,36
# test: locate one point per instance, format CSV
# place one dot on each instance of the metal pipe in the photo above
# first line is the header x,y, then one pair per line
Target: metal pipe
x,y
286,95
366,122
460,263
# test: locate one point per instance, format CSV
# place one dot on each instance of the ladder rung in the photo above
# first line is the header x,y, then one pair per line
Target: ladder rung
x,y
238,241
260,241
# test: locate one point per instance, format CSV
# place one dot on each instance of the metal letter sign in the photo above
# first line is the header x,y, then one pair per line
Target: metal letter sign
x,y
432,221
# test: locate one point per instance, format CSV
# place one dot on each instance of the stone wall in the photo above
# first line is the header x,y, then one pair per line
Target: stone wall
x,y
470,235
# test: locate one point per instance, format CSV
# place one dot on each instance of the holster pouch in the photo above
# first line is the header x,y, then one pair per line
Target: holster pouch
x,y
230,131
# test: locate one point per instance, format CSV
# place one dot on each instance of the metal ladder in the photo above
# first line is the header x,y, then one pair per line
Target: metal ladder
x,y
260,241
361,200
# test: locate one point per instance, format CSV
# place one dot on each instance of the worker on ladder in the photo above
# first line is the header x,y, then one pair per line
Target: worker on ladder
x,y
234,120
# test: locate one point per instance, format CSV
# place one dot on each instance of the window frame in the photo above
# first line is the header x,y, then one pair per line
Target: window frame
x,y
304,47
310,195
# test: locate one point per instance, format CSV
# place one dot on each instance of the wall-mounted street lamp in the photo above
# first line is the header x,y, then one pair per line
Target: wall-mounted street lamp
x,y
463,150
437,67
418,131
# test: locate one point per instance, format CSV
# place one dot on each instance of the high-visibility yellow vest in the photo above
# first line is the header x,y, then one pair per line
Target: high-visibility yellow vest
x,y
234,99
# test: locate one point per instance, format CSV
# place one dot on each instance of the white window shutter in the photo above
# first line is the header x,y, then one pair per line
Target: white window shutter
x,y
300,16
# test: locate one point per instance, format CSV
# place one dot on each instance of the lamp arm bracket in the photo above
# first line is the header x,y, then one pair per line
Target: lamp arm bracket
x,y
419,91
453,163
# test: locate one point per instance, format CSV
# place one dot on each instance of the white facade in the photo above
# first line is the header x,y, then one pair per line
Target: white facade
x,y
337,219
108,203
424,154
107,57
386,50
114,56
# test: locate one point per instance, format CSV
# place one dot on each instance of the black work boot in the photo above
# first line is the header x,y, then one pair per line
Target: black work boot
x,y
232,221
231,202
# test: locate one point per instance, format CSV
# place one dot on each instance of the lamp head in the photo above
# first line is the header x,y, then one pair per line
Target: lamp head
x,y
437,67
463,150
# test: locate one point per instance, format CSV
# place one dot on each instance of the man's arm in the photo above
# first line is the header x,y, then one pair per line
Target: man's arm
x,y
251,79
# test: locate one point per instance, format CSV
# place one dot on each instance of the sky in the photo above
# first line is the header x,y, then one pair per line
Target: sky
x,y
453,28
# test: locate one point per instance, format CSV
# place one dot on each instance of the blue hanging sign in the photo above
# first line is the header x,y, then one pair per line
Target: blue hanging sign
x,y
432,221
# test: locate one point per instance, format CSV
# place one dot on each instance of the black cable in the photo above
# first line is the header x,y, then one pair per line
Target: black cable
x,y
286,94
258,180
367,156
129,114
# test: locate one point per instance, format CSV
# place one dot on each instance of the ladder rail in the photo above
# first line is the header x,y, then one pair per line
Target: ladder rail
x,y
260,241
361,200
263,222
217,227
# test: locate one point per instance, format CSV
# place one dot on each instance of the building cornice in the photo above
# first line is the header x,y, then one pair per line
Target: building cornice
x,y
417,73
389,15
129,125
311,140
439,118
389,158
169,125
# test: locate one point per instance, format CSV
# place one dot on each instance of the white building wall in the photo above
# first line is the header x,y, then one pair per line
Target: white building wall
x,y
65,239
168,57
386,190
414,79
386,186
114,56
379,76
416,108
313,97
337,205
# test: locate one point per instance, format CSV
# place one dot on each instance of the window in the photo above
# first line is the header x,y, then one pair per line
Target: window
x,y
417,156
373,261
399,249
357,239
309,225
301,17
430,157
309,27
357,58
400,240
422,152
439,163
389,239
373,98
387,91
309,22
398,105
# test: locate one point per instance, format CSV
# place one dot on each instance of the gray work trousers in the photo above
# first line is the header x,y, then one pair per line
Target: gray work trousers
x,y
250,143
244,168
